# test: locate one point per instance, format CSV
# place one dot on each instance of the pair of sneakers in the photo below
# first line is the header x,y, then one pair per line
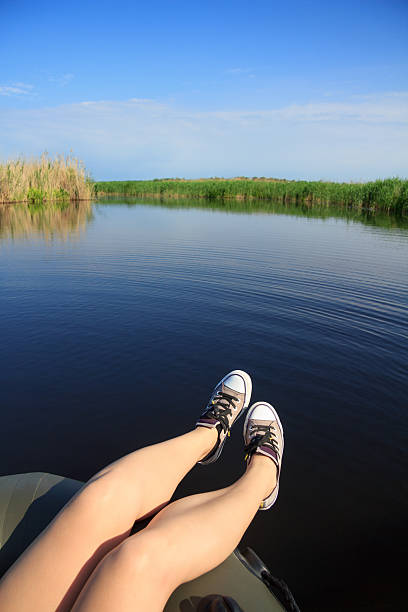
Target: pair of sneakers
x,y
263,432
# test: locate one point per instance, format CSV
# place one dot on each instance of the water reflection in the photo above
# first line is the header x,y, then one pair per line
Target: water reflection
x,y
63,220
69,219
374,219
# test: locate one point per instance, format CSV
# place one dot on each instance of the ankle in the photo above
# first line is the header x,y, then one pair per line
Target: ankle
x,y
266,471
208,437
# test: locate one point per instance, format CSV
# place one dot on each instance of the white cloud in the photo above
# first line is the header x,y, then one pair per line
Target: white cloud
x,y
62,80
247,71
16,89
237,70
364,138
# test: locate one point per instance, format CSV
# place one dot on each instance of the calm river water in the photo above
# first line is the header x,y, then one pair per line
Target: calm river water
x,y
118,318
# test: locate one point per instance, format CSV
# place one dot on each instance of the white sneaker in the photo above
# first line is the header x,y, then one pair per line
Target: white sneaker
x,y
229,399
263,435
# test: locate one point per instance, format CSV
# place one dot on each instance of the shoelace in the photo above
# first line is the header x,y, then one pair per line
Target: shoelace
x,y
264,434
221,407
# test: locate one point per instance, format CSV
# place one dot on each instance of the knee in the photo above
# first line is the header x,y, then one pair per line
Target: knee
x,y
142,554
99,496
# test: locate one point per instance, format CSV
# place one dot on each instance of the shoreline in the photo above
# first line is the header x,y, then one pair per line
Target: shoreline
x,y
309,201
388,195
47,202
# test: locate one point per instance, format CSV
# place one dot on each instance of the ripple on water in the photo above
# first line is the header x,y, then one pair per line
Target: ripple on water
x,y
114,332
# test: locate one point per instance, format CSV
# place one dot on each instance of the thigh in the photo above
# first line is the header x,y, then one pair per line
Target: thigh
x,y
50,573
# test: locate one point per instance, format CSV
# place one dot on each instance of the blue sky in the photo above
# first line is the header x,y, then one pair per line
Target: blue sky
x,y
297,89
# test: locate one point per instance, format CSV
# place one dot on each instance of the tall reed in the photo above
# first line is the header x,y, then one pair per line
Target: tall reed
x,y
387,195
44,179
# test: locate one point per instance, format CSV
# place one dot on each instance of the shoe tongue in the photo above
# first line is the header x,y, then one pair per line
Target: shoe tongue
x,y
228,390
261,423
258,422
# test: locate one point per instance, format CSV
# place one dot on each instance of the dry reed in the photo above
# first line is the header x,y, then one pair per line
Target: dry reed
x,y
44,179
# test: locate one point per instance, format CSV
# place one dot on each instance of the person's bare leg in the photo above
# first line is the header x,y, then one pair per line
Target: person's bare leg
x,y
186,539
52,571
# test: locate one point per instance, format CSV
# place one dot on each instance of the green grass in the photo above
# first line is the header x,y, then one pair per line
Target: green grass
x,y
386,195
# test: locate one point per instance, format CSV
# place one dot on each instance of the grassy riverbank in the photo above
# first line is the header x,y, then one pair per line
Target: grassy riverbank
x,y
44,180
385,195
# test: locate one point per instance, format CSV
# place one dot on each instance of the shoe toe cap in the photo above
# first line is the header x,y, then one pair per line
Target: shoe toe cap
x,y
263,412
235,382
